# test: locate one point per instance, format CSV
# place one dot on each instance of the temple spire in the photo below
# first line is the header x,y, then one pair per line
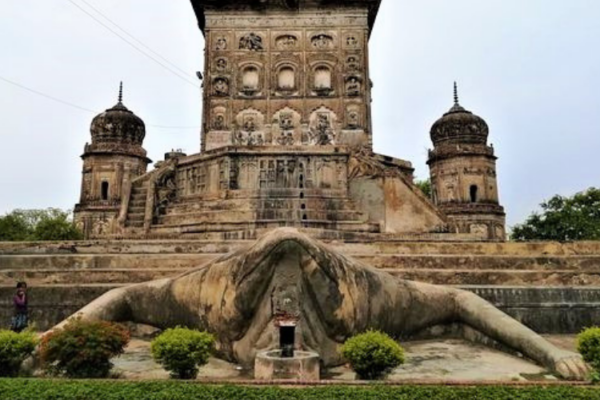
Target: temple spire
x,y
456,94
121,92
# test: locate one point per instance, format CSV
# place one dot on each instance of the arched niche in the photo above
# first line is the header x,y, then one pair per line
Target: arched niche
x,y
286,78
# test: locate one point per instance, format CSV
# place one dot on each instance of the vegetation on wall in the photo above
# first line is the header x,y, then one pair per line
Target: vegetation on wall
x,y
38,225
564,219
425,187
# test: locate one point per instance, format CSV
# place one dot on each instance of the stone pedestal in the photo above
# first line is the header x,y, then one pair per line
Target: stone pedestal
x,y
270,365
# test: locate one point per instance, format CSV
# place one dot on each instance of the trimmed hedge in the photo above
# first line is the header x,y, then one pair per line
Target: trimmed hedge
x,y
22,389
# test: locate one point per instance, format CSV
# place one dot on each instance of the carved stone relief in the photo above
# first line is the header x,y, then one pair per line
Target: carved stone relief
x,y
353,64
251,42
219,118
221,65
322,127
221,86
286,127
352,40
353,116
322,41
250,128
286,42
221,43
353,86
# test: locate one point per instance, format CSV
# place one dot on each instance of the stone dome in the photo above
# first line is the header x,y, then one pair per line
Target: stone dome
x,y
118,125
459,126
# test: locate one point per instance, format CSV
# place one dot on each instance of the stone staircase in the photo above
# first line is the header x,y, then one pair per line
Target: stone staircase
x,y
137,205
247,218
549,279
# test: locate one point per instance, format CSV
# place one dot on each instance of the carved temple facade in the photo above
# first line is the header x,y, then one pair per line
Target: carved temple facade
x,y
287,141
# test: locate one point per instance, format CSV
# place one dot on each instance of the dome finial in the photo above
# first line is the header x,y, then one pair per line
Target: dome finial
x,y
121,92
456,94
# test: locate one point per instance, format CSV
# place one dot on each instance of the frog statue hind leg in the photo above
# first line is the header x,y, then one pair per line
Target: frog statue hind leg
x,y
240,296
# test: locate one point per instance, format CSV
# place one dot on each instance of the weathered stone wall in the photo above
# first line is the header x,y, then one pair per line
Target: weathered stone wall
x,y
552,287
281,78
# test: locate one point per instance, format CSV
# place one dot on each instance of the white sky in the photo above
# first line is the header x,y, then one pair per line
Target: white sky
x,y
531,68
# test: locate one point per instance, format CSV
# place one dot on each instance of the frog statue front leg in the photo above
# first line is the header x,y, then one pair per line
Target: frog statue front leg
x,y
240,296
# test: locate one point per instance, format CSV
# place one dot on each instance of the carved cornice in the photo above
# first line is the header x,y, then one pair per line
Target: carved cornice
x,y
456,208
447,151
201,5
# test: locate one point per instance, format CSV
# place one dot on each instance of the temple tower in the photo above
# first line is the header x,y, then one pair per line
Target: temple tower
x,y
110,163
286,73
463,174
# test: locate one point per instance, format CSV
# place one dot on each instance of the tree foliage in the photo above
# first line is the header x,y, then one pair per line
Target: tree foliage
x,y
37,225
564,219
425,187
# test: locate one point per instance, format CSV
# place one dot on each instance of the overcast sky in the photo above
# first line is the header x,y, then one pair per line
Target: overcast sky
x,y
531,68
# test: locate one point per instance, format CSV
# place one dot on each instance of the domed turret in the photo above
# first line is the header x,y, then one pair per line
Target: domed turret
x,y
110,163
459,126
118,125
463,174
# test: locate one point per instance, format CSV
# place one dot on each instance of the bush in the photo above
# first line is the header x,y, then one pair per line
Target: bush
x,y
14,349
181,351
588,345
41,389
372,354
83,349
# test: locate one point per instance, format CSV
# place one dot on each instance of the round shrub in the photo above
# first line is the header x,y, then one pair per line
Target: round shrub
x,y
83,349
588,345
14,349
372,354
181,351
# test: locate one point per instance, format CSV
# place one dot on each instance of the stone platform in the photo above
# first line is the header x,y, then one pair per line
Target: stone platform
x,y
439,361
551,287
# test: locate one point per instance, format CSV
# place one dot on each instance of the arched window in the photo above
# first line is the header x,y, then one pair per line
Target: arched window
x,y
104,191
473,191
250,78
286,79
323,78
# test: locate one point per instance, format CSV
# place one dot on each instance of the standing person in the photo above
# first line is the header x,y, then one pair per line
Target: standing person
x,y
20,318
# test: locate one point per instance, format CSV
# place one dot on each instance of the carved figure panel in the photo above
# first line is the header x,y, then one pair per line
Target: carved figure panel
x,y
322,127
221,42
322,41
286,127
221,65
220,86
250,128
353,63
252,42
287,42
354,116
219,118
353,86
352,40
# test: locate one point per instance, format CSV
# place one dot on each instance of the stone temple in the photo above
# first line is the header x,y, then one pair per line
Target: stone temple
x,y
287,141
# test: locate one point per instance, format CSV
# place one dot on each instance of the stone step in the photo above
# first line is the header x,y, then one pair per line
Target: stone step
x,y
259,215
339,204
88,276
558,278
74,262
555,310
192,228
379,244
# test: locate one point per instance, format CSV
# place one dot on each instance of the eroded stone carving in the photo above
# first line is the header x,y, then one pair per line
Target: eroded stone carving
x,y
221,86
353,86
221,43
286,42
252,42
238,297
322,41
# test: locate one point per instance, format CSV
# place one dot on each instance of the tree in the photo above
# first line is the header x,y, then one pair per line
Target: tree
x,y
564,219
48,224
425,187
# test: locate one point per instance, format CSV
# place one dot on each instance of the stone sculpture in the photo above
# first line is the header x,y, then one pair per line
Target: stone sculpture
x,y
240,296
